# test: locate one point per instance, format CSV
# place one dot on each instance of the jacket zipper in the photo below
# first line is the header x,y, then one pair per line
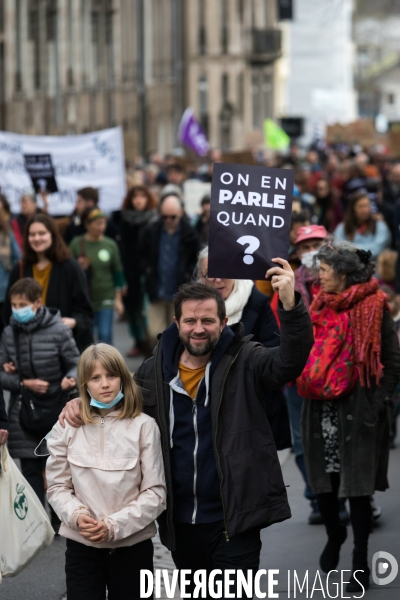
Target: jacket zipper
x,y
102,425
196,445
30,355
226,532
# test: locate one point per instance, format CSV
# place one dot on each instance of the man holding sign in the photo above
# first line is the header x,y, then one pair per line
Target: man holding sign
x,y
204,385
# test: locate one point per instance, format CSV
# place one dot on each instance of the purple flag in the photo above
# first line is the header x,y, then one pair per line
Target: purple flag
x,y
191,134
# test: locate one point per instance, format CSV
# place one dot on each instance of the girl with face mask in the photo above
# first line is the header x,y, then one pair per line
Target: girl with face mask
x,y
106,481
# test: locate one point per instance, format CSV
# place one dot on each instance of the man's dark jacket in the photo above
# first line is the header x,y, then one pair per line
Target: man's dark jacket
x,y
251,484
259,321
189,247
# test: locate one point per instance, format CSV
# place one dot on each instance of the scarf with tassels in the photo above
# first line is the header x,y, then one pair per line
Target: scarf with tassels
x,y
365,303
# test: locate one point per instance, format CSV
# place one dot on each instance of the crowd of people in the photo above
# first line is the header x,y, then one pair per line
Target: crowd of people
x,y
306,359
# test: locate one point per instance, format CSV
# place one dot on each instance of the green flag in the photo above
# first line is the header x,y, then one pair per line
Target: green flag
x,y
274,136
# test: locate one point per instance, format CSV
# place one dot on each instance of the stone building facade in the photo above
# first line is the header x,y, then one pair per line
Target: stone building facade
x,y
232,51
73,66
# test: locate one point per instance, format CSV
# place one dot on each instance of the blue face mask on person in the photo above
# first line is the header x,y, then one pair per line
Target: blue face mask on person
x,y
23,315
97,404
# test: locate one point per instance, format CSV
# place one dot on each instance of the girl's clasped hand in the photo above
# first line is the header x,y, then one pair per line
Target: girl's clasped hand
x,y
92,530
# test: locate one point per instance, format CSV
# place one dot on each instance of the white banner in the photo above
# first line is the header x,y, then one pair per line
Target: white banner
x,y
92,159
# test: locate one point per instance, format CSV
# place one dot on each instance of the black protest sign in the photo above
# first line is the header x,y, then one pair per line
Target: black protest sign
x,y
41,171
250,217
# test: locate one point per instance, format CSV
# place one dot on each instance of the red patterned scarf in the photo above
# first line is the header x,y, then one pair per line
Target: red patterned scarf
x,y
365,303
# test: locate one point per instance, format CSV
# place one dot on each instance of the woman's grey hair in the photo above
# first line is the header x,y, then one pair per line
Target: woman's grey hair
x,y
30,192
346,259
201,256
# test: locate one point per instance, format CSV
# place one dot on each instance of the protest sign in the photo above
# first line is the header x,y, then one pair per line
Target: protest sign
x,y
40,169
92,159
191,134
251,210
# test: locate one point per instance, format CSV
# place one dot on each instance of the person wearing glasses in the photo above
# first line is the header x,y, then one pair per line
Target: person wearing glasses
x,y
168,251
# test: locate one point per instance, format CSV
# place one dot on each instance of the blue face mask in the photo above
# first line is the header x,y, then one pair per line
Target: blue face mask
x,y
97,404
23,315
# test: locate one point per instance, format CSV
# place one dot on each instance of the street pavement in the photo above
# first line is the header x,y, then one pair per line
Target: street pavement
x,y
289,546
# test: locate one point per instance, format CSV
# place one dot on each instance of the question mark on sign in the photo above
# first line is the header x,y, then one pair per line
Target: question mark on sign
x,y
253,245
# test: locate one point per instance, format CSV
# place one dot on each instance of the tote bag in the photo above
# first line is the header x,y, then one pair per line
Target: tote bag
x,y
25,528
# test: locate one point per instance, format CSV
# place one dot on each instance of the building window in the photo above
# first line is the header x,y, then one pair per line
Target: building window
x,y
51,20
266,93
240,6
203,90
70,72
253,14
202,87
224,26
18,71
391,98
2,88
262,96
225,115
267,7
202,28
255,92
34,37
240,94
225,87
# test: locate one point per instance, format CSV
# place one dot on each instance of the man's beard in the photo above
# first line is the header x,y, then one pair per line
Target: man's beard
x,y
202,350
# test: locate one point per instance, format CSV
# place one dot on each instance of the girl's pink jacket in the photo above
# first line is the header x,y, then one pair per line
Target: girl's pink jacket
x,y
112,470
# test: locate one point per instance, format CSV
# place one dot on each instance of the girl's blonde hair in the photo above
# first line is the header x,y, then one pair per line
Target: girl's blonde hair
x,y
112,361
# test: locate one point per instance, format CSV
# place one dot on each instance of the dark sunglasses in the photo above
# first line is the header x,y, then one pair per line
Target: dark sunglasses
x,y
165,217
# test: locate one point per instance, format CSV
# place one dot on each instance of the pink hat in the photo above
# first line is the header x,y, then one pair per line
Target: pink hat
x,y
311,232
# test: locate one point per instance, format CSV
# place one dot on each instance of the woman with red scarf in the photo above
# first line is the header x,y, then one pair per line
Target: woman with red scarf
x,y
347,385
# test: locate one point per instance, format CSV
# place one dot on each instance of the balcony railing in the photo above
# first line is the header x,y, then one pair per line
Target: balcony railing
x,y
266,45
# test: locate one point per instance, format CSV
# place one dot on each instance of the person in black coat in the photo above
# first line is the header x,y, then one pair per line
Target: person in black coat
x,y
168,251
138,211
47,259
3,419
202,225
245,303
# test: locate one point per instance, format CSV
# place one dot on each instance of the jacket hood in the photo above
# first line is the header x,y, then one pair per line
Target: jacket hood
x,y
172,348
52,315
